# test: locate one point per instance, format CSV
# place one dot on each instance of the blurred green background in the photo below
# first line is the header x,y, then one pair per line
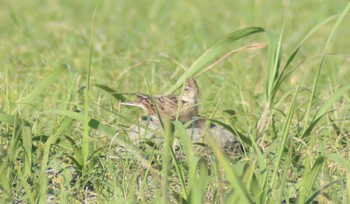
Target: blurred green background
x,y
158,40
133,39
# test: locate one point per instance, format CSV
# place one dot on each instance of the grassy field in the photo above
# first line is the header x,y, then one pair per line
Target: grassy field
x,y
276,74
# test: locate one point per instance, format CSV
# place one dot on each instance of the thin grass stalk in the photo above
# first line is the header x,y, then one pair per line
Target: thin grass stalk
x,y
285,134
282,76
27,147
179,174
273,66
7,98
314,87
284,176
85,141
186,144
235,181
168,133
348,184
180,102
308,35
154,102
272,73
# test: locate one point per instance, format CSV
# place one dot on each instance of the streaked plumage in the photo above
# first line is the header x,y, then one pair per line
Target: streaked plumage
x,y
168,106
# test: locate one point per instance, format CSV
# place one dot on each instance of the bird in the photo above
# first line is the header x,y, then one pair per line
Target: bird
x,y
181,107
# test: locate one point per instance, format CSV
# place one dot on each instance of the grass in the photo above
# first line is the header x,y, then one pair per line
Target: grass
x,y
278,79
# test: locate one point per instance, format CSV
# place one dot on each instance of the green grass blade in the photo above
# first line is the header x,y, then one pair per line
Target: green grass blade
x,y
249,178
283,75
235,181
26,134
213,53
340,160
65,124
154,102
348,184
43,178
109,90
241,136
284,178
307,36
5,180
85,144
309,180
97,125
317,192
314,87
285,134
166,157
273,63
13,120
185,140
44,84
27,147
180,174
346,165
329,102
197,179
324,109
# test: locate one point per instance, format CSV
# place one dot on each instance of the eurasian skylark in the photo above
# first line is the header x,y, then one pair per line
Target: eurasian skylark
x,y
171,106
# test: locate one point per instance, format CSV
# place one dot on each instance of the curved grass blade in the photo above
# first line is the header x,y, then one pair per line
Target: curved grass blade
x,y
44,84
213,53
340,160
109,90
310,179
314,88
197,179
13,120
185,140
241,136
316,193
324,109
282,76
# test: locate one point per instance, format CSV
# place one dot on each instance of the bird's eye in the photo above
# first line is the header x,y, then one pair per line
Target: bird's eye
x,y
186,89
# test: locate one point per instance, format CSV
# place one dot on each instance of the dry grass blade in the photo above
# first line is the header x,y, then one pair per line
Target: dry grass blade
x,y
253,46
213,53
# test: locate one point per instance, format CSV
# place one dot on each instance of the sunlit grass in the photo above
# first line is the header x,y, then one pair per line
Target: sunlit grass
x,y
279,84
